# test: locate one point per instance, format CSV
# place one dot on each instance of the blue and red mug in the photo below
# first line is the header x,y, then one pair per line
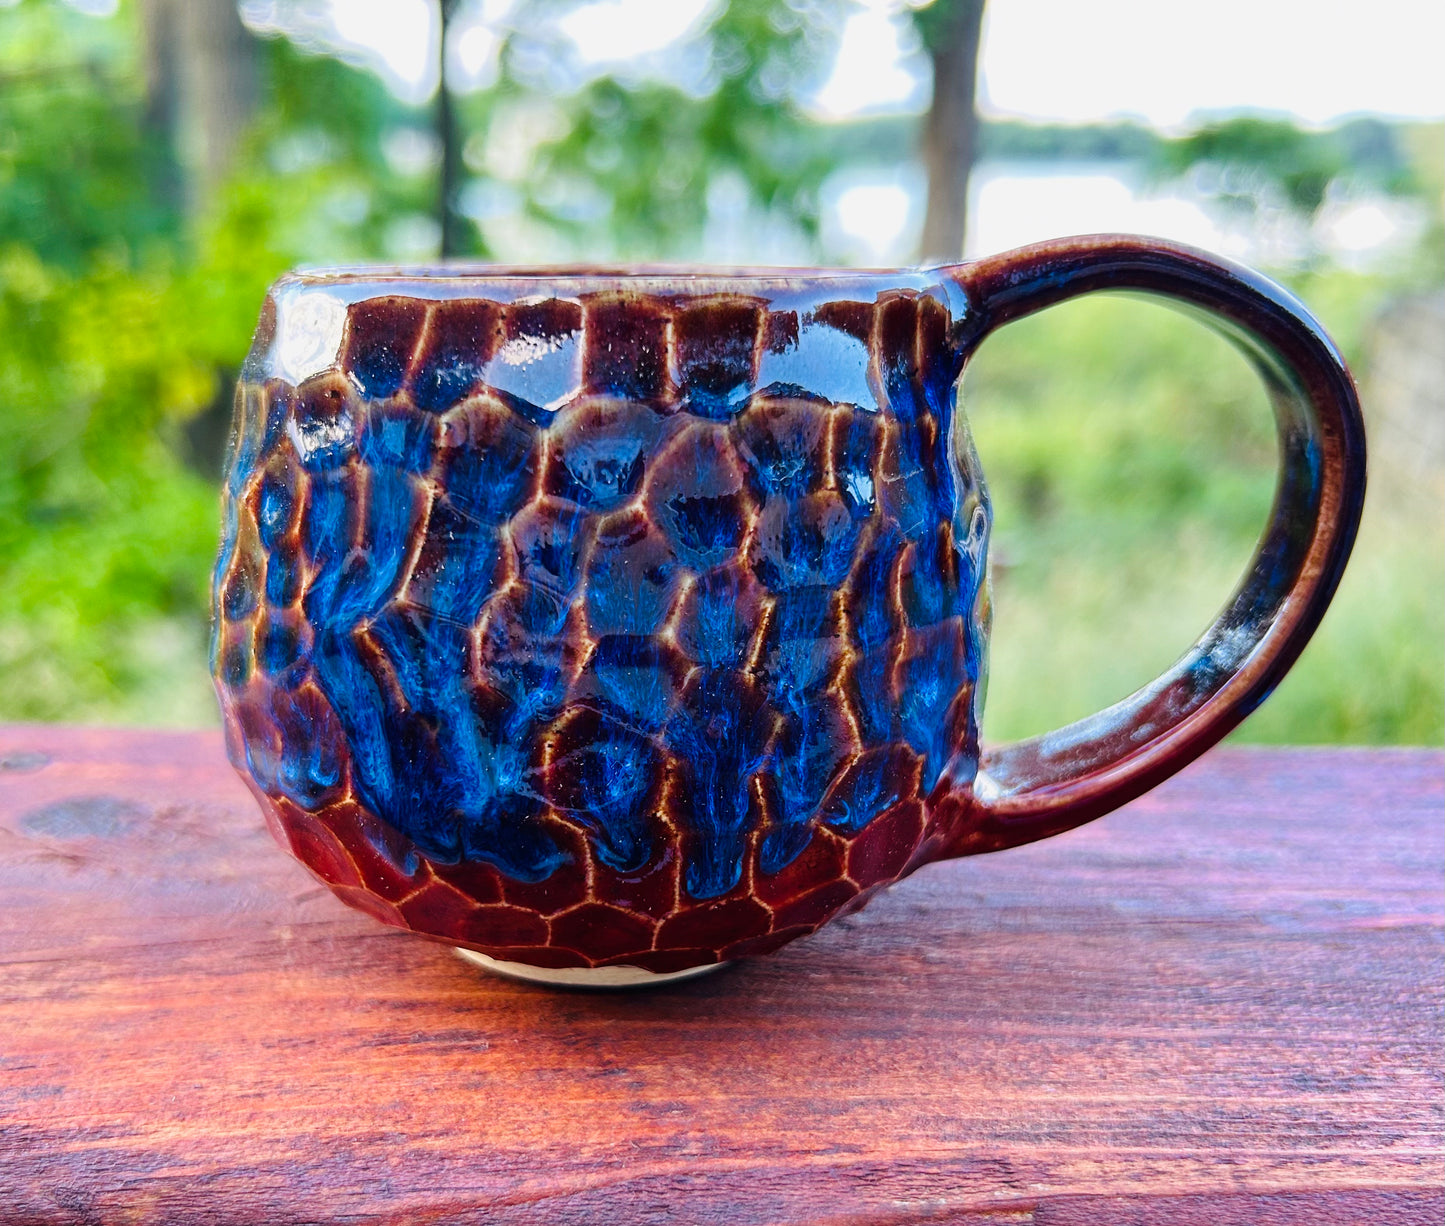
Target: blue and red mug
x,y
611,625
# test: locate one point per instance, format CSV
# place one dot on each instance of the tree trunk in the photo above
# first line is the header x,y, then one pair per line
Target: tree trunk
x,y
221,87
161,62
951,32
453,236
201,86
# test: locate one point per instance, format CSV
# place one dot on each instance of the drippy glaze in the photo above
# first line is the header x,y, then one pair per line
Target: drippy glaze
x,y
627,621
638,619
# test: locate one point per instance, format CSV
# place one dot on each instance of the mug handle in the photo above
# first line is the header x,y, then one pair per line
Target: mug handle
x,y
1050,783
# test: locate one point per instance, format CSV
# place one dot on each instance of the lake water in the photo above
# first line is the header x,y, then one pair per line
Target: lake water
x,y
874,216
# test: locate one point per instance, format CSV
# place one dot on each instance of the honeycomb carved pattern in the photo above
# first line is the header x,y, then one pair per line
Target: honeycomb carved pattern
x,y
616,627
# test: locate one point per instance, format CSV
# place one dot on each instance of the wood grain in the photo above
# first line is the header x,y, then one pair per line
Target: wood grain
x,y
1220,1005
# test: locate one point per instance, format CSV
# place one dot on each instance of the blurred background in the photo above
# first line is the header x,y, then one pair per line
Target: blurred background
x,y
162,160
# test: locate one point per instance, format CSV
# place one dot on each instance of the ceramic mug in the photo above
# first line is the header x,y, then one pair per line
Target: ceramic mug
x,y
613,624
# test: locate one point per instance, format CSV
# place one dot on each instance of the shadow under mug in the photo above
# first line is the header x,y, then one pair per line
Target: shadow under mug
x,y
611,625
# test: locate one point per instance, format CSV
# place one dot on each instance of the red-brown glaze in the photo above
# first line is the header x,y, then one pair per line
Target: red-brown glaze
x,y
715,540
661,503
1051,783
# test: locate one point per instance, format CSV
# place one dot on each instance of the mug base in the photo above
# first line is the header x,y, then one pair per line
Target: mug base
x,y
593,978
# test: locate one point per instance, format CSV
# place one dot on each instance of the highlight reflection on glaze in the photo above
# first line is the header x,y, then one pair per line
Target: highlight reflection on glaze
x,y
637,619
649,602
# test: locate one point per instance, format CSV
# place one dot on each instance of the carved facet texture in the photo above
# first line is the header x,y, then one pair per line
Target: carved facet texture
x,y
629,623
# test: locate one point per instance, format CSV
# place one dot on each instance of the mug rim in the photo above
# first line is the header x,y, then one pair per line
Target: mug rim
x,y
343,274
307,314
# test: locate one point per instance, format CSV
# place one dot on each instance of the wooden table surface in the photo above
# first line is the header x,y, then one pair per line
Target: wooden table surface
x,y
1220,1005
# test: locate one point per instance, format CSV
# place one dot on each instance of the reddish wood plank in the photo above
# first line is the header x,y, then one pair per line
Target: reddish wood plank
x,y
1222,1004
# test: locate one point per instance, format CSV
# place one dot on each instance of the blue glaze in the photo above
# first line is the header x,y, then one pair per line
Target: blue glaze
x,y
507,834
853,460
428,658
453,576
783,844
912,496
483,589
706,529
235,664
541,611
720,403
549,550
802,613
310,776
277,414
323,442
397,438
262,762
784,451
392,517
629,586
230,526
825,362
238,597
633,677
243,448
718,742
281,652
275,509
872,682
357,699
445,380
601,464
489,481
326,530
868,790
713,629
803,766
930,682
608,476
873,618
283,579
615,773
377,370
424,764
929,584
535,372
801,646
527,668
804,546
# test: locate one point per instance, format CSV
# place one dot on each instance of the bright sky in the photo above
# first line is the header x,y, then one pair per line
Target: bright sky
x,y
619,29
1071,60
1076,61
1163,60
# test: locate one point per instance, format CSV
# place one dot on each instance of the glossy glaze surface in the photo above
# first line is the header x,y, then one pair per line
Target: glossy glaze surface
x,y
606,619
586,621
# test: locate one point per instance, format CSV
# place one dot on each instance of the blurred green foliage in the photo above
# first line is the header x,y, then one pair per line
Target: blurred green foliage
x,y
1132,468
626,160
75,169
1129,451
1252,160
119,320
